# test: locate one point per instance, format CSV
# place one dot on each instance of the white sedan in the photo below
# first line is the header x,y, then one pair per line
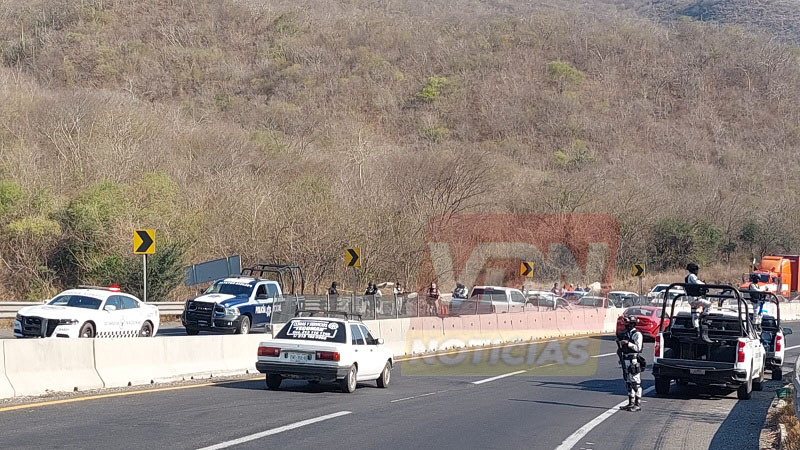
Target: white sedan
x,y
88,312
325,349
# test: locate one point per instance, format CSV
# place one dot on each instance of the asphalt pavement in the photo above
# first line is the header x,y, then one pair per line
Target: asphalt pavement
x,y
570,408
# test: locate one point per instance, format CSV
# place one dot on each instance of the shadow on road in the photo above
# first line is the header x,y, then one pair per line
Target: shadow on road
x,y
742,427
289,386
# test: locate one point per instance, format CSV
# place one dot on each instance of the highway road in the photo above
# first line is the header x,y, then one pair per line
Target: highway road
x,y
453,412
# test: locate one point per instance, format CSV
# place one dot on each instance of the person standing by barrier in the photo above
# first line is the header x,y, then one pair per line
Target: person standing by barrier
x,y
333,296
433,300
399,293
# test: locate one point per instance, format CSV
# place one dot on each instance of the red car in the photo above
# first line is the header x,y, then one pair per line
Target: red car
x,y
649,319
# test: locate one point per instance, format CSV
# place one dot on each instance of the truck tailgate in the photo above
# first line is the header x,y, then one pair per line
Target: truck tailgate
x,y
694,364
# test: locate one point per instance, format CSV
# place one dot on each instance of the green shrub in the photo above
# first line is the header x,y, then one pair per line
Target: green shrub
x,y
433,89
435,134
565,74
37,227
11,195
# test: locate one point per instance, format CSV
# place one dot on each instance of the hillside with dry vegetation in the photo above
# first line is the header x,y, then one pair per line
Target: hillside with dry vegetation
x,y
288,130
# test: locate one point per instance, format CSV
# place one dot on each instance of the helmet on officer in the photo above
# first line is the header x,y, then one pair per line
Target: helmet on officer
x,y
630,322
693,268
754,278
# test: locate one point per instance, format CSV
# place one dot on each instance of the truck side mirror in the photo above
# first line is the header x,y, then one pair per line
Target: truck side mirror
x,y
787,331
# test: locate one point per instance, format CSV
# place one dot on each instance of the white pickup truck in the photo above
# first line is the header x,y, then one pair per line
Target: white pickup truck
x,y
725,350
490,299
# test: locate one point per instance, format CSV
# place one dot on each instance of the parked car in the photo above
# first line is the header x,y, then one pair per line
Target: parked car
x,y
88,312
649,319
590,301
623,299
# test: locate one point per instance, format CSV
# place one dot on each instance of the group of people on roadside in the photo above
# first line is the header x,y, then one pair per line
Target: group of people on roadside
x,y
568,288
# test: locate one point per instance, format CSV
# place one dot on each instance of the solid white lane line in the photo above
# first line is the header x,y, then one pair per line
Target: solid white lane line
x,y
573,439
499,377
262,434
413,397
604,355
792,347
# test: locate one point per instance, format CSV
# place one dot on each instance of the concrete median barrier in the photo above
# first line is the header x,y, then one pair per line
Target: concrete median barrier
x,y
505,327
40,366
6,391
393,332
593,320
564,323
549,325
579,321
488,323
455,336
610,322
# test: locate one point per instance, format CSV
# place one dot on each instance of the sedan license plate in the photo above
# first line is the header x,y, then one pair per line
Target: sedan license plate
x,y
697,371
298,357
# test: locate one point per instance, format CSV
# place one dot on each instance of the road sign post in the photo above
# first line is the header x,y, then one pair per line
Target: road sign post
x,y
144,243
638,270
526,269
352,258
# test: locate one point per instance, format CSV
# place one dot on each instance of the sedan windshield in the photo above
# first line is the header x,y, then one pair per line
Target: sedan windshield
x,y
228,288
77,301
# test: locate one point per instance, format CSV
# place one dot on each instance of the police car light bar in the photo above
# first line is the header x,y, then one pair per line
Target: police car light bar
x,y
112,288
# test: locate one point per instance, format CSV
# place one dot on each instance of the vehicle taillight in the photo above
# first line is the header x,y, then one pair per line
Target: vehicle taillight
x,y
328,356
778,343
269,351
740,353
657,351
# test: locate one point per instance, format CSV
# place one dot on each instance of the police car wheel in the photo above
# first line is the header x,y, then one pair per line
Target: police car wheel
x,y
386,376
348,383
244,326
147,330
192,332
274,381
87,331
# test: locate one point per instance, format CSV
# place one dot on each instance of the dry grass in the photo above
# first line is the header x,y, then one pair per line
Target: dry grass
x,y
289,130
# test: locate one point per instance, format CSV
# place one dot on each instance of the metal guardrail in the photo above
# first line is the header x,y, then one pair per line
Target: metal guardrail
x,y
8,310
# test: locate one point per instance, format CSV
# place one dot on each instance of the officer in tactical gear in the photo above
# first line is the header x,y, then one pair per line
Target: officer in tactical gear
x,y
629,349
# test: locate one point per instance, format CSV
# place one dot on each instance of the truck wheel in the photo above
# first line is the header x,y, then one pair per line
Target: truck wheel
x,y
662,386
274,382
386,376
87,331
348,383
682,383
745,391
244,326
192,331
777,374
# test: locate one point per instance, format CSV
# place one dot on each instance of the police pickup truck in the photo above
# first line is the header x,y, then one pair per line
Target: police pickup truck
x,y
243,303
718,346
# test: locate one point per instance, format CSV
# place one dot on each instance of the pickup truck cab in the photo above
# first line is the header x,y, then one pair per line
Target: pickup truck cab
x,y
725,350
239,304
492,299
325,348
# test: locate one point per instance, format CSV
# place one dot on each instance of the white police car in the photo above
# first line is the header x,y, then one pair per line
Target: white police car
x,y
325,349
88,312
